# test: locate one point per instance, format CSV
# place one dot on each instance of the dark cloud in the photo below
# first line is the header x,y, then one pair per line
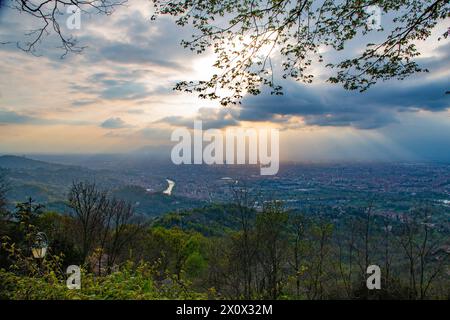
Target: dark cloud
x,y
114,123
329,105
11,117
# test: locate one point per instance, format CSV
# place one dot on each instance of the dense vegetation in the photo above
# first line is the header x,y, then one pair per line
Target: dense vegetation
x,y
239,250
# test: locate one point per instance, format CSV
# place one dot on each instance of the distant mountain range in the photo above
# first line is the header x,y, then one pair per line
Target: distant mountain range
x,y
17,162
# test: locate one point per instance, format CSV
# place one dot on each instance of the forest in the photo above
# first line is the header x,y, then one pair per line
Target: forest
x,y
243,249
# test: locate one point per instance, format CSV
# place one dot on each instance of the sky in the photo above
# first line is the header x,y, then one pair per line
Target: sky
x,y
117,96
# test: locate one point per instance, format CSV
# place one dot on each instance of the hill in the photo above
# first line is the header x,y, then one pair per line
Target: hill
x,y
49,183
22,162
154,203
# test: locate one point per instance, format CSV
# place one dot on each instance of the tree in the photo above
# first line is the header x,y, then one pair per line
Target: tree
x,y
46,12
4,223
89,206
424,250
3,191
3,203
364,246
173,248
346,244
246,34
218,276
62,233
320,234
387,230
298,223
245,249
26,215
18,235
272,241
107,225
120,228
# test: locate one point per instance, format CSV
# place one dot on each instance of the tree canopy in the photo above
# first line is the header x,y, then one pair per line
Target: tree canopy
x,y
247,34
254,40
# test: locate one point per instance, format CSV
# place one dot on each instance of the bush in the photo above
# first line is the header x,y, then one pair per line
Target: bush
x,y
130,282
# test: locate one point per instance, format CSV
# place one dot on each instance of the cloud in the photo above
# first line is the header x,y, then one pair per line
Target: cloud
x,y
83,102
438,61
114,123
126,90
212,118
127,53
383,104
135,111
12,117
107,86
327,105
330,105
142,42
118,85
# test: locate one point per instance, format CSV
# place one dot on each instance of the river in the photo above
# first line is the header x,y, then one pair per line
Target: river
x,y
168,191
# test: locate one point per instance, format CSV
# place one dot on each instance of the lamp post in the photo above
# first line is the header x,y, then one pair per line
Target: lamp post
x,y
40,246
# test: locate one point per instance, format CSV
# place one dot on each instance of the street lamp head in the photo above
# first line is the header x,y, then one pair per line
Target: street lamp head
x,y
40,245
